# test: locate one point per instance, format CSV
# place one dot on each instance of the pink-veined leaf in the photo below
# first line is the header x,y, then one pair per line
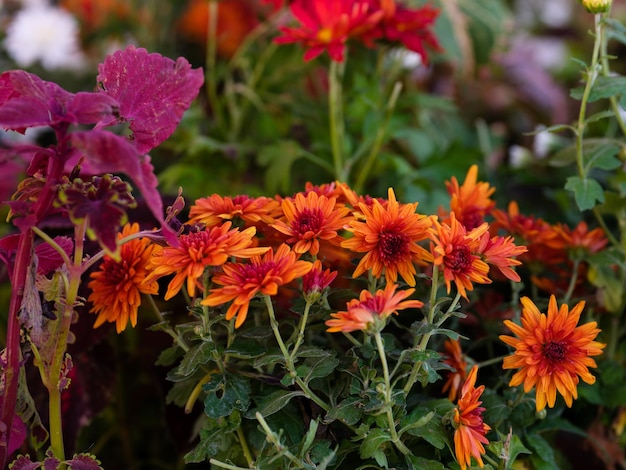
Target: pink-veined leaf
x,y
18,434
84,462
153,92
50,462
23,462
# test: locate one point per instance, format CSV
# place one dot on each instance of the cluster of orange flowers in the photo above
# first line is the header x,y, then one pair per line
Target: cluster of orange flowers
x,y
234,249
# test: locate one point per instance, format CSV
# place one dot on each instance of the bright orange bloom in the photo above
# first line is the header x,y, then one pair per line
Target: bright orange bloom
x,y
327,25
469,435
309,219
471,201
551,351
215,209
117,286
241,282
198,250
389,237
499,252
371,310
457,251
454,358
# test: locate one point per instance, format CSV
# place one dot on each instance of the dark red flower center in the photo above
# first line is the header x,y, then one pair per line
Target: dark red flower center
x,y
555,351
472,218
392,247
308,221
460,259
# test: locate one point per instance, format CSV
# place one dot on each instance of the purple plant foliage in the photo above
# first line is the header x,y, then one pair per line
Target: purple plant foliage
x,y
18,434
23,462
50,462
84,462
153,92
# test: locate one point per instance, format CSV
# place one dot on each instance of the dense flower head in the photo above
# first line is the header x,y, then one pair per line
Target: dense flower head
x,y
389,236
262,275
552,352
453,356
199,249
471,201
326,25
370,311
316,281
469,435
501,252
311,219
457,252
215,209
117,285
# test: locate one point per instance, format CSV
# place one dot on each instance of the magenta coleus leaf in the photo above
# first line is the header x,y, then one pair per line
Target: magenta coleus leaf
x,y
48,258
28,101
18,434
23,462
107,152
153,92
84,462
50,462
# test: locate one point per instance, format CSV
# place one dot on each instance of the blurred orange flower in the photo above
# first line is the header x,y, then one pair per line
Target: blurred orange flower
x,y
242,282
453,356
455,251
469,435
310,219
551,351
215,209
117,285
471,201
371,310
198,250
389,237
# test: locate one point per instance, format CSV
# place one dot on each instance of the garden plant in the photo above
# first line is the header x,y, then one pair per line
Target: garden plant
x,y
291,247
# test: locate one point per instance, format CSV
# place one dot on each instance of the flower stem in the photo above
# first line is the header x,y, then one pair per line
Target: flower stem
x,y
300,339
572,282
335,110
388,397
288,360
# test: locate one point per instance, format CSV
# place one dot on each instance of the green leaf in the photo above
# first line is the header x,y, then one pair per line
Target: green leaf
x,y
245,349
213,433
543,455
226,393
508,448
496,409
603,87
587,192
349,411
373,442
274,402
278,160
604,157
420,463
316,367
198,355
168,356
432,430
615,30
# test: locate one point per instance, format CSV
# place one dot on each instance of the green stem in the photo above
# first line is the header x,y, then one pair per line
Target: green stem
x,y
168,329
378,141
211,62
300,339
488,362
227,466
592,75
388,395
288,360
335,109
572,282
244,447
273,438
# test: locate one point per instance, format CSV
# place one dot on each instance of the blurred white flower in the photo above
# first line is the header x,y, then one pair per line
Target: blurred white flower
x,y
46,34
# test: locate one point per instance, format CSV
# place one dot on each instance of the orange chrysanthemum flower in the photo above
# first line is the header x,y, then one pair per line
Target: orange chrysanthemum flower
x,y
500,252
469,435
471,201
241,282
389,237
456,251
370,311
454,358
215,209
309,219
581,238
198,250
117,286
551,351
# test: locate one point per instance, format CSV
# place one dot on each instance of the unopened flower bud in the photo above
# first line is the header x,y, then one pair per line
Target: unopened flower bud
x,y
597,6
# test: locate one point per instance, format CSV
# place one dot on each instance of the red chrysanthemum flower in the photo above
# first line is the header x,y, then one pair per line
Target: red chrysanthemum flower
x,y
581,238
215,209
198,250
455,250
117,285
327,25
241,282
370,311
453,356
310,219
388,236
315,281
471,201
551,352
469,435
501,252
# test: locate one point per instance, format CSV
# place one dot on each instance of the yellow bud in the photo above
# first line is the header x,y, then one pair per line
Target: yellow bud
x,y
597,6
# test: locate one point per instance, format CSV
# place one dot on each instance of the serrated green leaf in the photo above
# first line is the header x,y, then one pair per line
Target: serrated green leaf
x,y
420,463
543,454
372,442
604,157
615,30
197,355
274,402
316,367
168,356
587,192
226,393
245,349
349,411
603,87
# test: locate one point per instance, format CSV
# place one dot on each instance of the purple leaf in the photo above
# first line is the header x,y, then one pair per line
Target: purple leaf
x,y
153,92
84,462
23,462
89,108
18,434
50,462
49,258
110,153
